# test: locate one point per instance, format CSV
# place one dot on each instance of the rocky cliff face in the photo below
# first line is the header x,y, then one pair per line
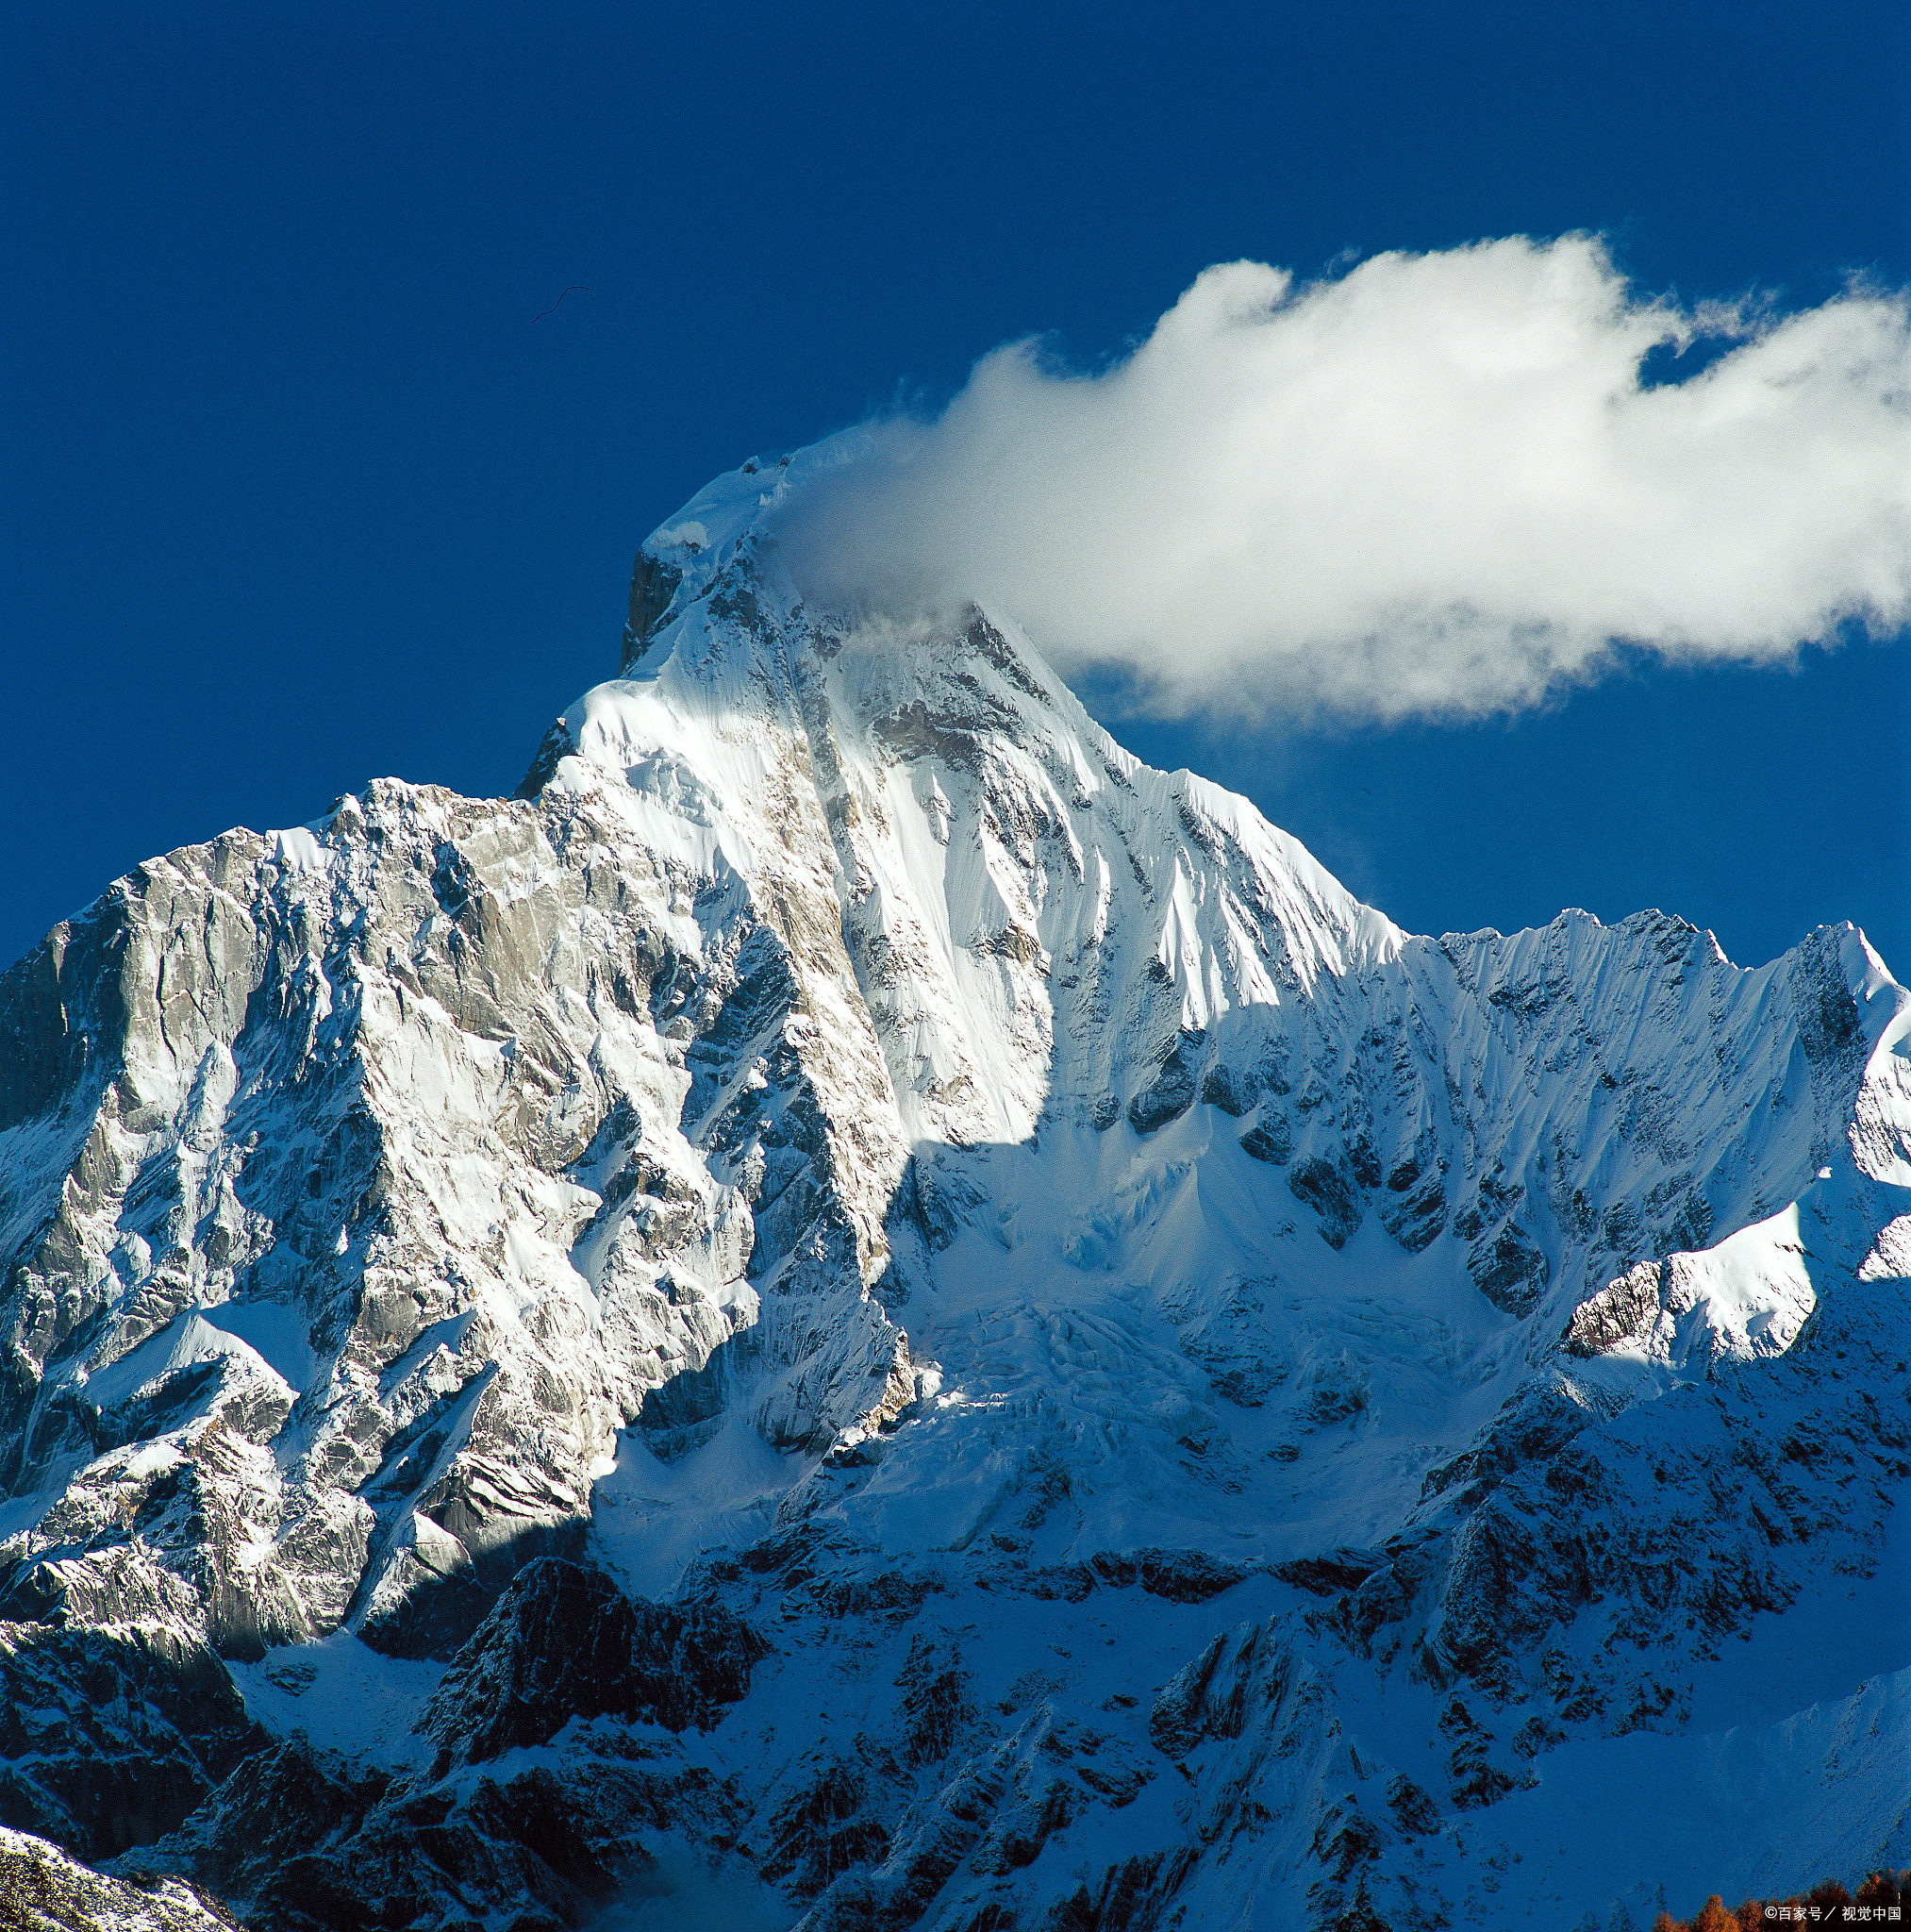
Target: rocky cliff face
x,y
858,1309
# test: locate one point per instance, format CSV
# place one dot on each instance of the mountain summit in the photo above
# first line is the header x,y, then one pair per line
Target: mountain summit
x,y
857,1310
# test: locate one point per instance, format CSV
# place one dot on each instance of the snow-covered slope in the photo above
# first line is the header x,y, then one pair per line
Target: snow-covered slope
x,y
1016,1355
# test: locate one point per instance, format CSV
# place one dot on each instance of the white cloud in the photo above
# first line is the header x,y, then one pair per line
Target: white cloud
x,y
1434,485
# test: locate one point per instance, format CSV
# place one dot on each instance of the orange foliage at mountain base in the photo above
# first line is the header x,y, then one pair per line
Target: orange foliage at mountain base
x,y
1885,1898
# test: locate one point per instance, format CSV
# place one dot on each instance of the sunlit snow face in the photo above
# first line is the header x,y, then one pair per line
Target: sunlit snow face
x,y
1437,485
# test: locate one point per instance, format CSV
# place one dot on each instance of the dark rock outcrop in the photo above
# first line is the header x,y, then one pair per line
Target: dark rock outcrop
x,y
1171,1093
563,1642
109,1741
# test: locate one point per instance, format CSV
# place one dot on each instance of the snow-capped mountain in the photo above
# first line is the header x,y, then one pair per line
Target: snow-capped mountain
x,y
858,1310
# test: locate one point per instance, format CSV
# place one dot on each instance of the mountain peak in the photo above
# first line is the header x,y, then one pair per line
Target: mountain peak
x,y
936,1304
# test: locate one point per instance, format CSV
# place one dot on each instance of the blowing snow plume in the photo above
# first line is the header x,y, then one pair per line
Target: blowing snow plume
x,y
1436,485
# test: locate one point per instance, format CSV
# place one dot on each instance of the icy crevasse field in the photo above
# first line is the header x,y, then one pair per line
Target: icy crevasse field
x,y
861,1312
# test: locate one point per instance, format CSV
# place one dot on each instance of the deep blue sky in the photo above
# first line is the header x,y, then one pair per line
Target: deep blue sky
x,y
298,492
